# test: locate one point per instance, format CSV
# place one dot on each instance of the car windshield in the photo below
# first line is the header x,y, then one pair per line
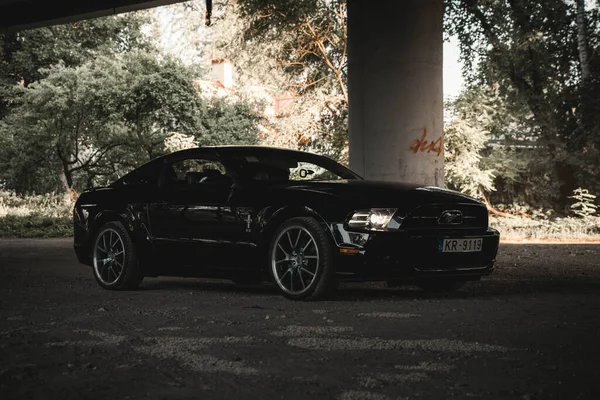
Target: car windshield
x,y
281,166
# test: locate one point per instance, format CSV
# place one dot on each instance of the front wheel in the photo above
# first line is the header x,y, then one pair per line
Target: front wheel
x,y
115,263
301,260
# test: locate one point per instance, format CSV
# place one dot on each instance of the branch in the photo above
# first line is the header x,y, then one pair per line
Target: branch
x,y
327,60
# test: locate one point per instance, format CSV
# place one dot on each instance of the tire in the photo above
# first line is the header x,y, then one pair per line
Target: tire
x,y
301,249
441,285
114,260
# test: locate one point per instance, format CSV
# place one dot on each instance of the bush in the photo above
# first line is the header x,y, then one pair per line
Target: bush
x,y
36,216
519,228
584,203
48,205
35,226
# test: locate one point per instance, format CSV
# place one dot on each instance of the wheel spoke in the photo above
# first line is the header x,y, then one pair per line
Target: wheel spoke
x,y
311,257
116,243
280,261
284,274
307,271
298,238
301,279
104,272
121,252
119,265
281,248
290,240
292,282
307,243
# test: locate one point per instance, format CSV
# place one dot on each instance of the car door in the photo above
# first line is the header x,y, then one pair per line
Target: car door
x,y
186,219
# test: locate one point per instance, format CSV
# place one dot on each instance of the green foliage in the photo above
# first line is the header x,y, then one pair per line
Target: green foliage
x,y
532,51
523,176
308,40
88,125
48,205
26,54
35,226
464,139
35,216
584,203
519,228
492,150
229,122
86,102
156,97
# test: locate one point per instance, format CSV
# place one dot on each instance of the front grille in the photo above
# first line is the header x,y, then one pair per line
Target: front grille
x,y
428,217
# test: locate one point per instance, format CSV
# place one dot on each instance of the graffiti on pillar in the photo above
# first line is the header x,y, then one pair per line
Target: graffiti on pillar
x,y
422,145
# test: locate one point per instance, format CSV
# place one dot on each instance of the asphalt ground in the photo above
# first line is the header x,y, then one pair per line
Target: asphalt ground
x,y
529,331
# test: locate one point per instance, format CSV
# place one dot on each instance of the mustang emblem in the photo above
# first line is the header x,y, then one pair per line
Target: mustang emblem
x,y
451,217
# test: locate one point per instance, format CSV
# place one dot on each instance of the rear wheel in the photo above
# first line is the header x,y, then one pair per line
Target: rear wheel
x,y
301,260
115,263
441,285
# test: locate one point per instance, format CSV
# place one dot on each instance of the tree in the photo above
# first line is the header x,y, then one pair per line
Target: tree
x,y
313,33
492,151
302,49
230,122
582,40
90,124
465,138
63,124
25,55
157,97
529,50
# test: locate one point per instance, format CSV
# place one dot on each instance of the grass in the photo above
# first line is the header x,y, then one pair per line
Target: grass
x,y
37,216
558,229
35,226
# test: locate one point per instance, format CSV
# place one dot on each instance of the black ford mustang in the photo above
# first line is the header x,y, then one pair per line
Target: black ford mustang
x,y
299,219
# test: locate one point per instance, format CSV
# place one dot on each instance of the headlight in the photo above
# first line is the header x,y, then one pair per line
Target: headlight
x,y
375,219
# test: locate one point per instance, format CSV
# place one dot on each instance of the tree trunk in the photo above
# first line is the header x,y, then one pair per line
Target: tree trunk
x,y
582,41
65,176
64,182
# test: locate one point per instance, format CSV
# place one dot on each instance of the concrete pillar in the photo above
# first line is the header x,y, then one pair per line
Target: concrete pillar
x,y
395,90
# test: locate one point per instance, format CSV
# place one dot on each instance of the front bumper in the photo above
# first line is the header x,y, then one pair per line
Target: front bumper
x,y
412,255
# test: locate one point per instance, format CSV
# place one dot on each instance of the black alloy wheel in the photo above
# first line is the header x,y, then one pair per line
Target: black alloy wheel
x,y
301,260
115,263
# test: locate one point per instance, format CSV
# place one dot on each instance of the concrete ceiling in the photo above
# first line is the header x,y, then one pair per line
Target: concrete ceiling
x,y
24,14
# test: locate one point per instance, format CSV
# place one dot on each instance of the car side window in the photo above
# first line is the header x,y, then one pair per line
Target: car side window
x,y
306,171
195,172
145,176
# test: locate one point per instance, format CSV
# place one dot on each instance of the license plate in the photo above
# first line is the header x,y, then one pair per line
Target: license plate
x,y
460,245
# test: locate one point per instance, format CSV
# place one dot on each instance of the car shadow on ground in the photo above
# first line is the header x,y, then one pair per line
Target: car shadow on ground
x,y
490,287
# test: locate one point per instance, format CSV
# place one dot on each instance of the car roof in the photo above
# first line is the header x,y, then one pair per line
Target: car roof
x,y
240,149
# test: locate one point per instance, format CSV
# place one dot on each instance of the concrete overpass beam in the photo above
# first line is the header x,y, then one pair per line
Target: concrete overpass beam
x,y
395,90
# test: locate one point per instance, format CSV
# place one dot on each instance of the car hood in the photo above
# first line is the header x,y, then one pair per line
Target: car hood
x,y
365,193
